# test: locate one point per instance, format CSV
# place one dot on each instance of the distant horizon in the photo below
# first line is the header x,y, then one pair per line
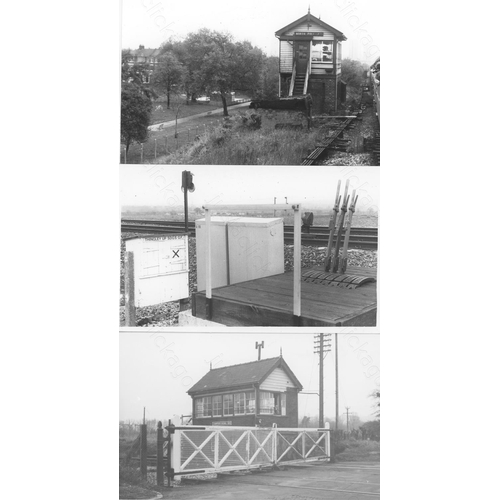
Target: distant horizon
x,y
160,208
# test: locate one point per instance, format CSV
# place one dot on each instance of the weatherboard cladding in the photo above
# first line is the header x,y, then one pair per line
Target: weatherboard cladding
x,y
245,374
277,381
286,57
307,24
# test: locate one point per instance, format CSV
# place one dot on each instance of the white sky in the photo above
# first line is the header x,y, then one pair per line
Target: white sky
x,y
312,186
151,22
158,380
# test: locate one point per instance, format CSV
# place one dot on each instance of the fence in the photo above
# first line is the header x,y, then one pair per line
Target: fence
x,y
165,144
171,142
209,449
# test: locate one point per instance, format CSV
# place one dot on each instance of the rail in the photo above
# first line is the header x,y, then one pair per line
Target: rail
x,y
360,238
308,72
292,82
320,150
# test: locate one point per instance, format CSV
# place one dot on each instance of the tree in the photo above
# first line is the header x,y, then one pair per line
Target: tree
x,y
376,396
217,64
371,430
353,73
169,75
136,105
269,79
135,73
136,110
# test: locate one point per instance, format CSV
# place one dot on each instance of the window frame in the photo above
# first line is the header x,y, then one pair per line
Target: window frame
x,y
322,44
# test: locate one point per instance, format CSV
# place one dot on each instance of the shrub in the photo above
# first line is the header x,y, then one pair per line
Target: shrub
x,y
130,474
339,447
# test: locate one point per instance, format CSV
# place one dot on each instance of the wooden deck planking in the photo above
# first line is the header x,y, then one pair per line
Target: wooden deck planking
x,y
327,294
269,302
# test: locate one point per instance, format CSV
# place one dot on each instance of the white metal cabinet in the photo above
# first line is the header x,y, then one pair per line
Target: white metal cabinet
x,y
243,249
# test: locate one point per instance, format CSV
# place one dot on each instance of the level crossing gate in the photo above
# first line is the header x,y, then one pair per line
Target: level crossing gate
x,y
201,449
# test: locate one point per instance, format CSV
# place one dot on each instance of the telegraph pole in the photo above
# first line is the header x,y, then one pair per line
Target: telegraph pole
x,y
347,420
322,346
259,347
336,384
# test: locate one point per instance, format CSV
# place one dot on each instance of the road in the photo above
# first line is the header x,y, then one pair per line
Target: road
x,y
216,111
339,481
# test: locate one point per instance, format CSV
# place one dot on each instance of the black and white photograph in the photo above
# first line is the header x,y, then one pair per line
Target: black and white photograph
x,y
249,416
204,246
270,83
249,246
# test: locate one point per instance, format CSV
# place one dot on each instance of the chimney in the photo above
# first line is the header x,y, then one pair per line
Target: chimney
x,y
141,47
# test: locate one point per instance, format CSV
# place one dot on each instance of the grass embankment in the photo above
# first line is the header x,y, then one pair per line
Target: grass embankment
x,y
357,451
250,138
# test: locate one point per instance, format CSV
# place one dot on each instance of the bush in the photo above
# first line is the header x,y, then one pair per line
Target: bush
x,y
130,474
339,447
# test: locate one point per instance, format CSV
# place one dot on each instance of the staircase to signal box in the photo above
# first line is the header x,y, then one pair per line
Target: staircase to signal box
x,y
300,81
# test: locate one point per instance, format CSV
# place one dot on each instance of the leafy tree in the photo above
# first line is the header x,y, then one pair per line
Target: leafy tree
x,y
353,72
169,75
376,396
269,79
136,110
215,63
371,430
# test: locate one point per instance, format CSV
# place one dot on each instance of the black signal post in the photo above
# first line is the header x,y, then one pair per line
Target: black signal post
x,y
187,184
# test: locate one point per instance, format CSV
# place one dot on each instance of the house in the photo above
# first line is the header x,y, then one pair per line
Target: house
x,y
310,59
146,57
259,393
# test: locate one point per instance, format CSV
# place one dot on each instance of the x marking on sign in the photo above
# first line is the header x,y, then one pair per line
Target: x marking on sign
x,y
176,253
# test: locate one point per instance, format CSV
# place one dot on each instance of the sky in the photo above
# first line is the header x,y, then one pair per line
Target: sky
x,y
157,185
157,368
151,22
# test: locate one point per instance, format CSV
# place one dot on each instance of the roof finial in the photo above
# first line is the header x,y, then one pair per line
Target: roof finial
x,y
210,366
281,353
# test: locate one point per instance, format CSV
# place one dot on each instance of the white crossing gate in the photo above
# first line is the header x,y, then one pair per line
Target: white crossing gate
x,y
200,449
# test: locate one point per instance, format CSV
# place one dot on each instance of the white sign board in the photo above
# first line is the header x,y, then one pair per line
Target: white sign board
x,y
161,268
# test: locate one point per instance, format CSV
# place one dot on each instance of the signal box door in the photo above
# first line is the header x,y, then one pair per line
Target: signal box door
x,y
302,49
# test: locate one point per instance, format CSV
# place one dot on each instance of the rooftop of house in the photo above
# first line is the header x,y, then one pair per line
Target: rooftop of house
x,y
141,51
254,372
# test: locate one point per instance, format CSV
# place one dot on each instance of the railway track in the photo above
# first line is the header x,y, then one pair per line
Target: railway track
x,y
334,142
365,238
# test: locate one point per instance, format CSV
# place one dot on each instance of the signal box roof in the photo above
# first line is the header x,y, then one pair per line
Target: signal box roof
x,y
309,17
244,374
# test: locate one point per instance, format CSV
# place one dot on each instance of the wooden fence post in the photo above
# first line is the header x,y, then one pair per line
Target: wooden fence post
x,y
155,147
125,155
142,152
144,451
188,135
129,289
166,151
159,455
